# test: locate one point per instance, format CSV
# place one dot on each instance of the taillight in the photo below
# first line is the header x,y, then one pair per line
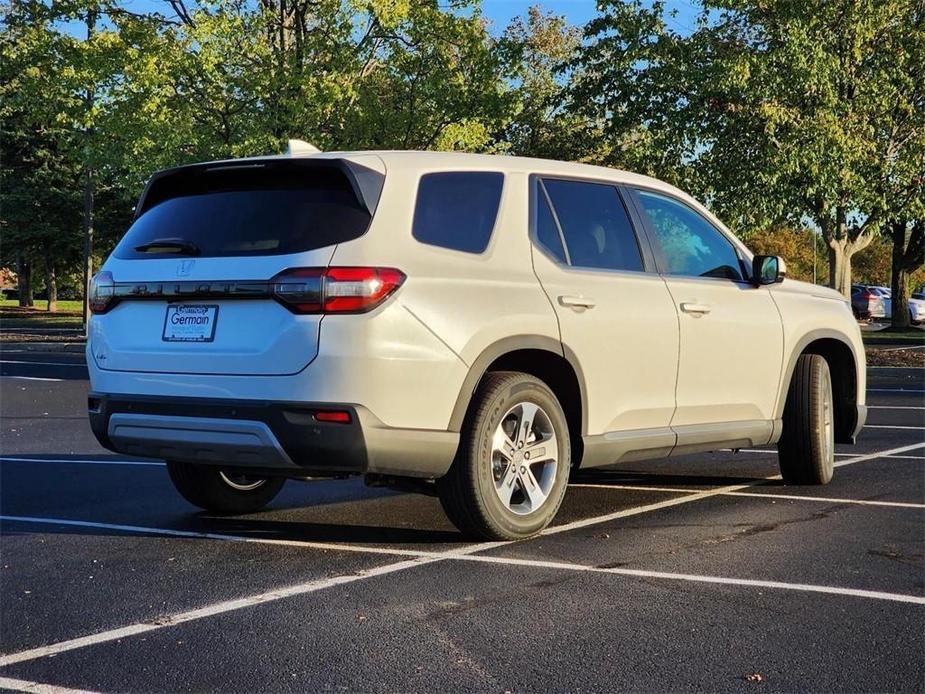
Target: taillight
x,y
102,291
335,289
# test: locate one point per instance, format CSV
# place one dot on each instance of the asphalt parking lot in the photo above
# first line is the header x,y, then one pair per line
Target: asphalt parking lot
x,y
699,573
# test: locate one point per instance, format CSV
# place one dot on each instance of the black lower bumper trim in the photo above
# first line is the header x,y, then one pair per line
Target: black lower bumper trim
x,y
318,448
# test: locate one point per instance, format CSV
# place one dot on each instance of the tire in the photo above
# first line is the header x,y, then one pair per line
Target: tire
x,y
488,466
218,491
806,450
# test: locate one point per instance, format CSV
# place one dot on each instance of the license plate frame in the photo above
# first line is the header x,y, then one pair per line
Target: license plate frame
x,y
193,331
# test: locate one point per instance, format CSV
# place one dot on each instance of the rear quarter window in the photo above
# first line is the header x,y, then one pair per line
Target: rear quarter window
x,y
457,210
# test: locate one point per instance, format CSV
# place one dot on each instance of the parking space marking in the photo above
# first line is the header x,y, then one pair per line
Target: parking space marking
x,y
757,495
37,687
199,535
890,426
893,407
771,451
696,578
209,611
894,390
32,378
881,454
421,558
138,463
42,363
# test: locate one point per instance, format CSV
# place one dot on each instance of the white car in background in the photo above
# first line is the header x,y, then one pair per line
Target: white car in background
x,y
917,309
876,303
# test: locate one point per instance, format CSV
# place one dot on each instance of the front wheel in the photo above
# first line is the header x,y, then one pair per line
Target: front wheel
x,y
806,450
223,491
510,474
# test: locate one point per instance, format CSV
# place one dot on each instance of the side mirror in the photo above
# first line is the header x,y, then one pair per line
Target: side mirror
x,y
767,269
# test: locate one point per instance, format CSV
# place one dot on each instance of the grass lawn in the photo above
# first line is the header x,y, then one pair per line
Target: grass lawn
x,y
67,316
912,335
41,305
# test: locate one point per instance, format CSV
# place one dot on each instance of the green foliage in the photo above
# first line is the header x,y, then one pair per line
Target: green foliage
x,y
537,51
774,111
777,113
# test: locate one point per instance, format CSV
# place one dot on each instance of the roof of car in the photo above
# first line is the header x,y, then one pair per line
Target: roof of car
x,y
498,162
494,162
448,161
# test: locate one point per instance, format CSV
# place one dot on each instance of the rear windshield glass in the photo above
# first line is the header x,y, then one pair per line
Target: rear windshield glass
x,y
457,210
271,209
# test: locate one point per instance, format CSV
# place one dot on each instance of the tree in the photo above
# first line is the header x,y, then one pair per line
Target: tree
x,y
771,110
538,50
38,179
901,145
795,246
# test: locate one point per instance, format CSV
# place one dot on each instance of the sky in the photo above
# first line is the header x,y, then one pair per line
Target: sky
x,y
578,12
500,12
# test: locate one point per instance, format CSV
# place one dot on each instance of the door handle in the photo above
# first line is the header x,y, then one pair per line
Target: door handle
x,y
696,309
577,302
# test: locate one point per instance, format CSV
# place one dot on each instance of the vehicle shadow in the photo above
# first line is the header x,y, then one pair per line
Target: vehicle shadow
x,y
696,482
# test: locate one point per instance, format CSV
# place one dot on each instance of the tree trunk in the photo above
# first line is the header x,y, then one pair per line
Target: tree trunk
x,y
908,256
51,282
88,189
24,281
840,252
88,243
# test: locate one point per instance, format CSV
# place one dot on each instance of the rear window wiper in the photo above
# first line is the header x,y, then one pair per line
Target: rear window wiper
x,y
169,246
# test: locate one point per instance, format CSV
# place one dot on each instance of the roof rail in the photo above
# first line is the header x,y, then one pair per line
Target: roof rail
x,y
297,147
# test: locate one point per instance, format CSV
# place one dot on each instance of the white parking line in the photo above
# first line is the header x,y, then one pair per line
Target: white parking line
x,y
420,558
43,461
209,611
32,378
170,532
42,363
889,426
893,407
895,390
757,495
771,451
696,578
882,454
37,687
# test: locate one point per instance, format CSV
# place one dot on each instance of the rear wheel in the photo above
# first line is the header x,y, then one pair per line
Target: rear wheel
x,y
510,474
223,491
806,450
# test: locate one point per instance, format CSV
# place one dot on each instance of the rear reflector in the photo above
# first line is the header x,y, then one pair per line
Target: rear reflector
x,y
338,416
335,289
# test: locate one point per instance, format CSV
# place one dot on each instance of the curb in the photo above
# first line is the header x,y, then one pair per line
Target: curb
x,y
895,342
76,347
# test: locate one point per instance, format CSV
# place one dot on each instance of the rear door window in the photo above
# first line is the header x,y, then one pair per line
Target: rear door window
x,y
271,209
594,224
457,209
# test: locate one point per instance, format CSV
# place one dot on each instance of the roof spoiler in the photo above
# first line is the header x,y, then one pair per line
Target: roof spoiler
x,y
366,182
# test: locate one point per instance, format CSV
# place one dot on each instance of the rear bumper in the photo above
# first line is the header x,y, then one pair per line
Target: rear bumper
x,y
281,437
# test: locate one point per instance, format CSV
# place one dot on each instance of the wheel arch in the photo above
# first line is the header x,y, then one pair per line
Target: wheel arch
x,y
540,356
842,360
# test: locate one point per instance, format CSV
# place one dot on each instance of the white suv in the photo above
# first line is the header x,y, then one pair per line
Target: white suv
x,y
471,326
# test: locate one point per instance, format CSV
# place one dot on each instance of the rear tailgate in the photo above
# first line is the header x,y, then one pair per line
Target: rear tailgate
x,y
192,277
